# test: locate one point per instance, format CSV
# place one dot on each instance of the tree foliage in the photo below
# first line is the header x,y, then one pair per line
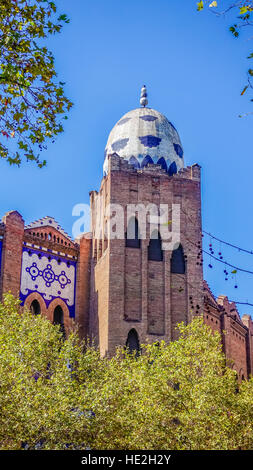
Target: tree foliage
x,y
243,10
32,101
56,395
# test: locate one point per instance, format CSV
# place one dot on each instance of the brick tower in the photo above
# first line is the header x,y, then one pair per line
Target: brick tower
x,y
142,283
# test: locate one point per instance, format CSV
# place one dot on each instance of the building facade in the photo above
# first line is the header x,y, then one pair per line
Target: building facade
x,y
125,283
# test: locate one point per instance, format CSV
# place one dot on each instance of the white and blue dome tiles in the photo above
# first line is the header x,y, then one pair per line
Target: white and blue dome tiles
x,y
144,136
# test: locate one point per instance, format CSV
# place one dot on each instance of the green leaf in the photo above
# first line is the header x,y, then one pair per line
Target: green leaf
x,y
31,103
234,31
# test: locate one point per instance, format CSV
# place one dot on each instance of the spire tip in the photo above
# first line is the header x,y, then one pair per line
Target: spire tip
x,y
144,99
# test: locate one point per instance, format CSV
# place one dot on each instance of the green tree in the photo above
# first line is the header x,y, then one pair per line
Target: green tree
x,y
173,396
243,10
178,396
32,101
38,398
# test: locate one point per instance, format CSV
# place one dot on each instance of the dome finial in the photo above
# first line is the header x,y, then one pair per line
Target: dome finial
x,y
144,99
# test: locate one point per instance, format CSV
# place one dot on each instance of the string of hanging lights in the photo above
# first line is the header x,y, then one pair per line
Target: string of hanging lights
x,y
250,252
217,255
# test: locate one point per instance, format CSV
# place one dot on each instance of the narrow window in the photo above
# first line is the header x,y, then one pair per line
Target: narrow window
x,y
132,342
35,307
178,261
132,234
59,319
155,252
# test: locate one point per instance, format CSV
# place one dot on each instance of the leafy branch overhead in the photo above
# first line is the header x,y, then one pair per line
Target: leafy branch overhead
x,y
32,101
243,11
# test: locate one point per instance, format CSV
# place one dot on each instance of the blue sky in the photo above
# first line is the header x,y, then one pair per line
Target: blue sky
x,y
194,71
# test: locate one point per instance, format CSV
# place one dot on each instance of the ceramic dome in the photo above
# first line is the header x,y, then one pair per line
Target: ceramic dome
x,y
144,136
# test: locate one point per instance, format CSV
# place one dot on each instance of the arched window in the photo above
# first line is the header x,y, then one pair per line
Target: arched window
x,y
35,307
59,319
178,261
132,342
132,234
155,252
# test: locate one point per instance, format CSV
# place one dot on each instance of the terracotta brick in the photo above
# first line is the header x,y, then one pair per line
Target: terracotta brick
x,y
136,292
12,253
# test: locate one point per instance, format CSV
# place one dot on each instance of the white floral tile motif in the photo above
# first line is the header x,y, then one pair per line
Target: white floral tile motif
x,y
50,276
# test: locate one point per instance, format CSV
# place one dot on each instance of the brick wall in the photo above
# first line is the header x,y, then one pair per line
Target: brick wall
x,y
222,316
140,293
12,253
83,284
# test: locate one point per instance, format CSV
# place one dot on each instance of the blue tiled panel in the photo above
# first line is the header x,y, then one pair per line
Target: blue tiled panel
x,y
133,161
146,161
172,168
119,144
50,275
123,121
148,117
163,163
178,150
150,140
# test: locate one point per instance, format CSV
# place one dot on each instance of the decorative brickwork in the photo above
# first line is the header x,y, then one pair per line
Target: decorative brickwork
x,y
129,290
117,290
222,316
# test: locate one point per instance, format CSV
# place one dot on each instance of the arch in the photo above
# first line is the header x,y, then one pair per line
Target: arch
x,y
163,163
35,307
132,234
133,161
68,322
241,375
58,319
132,342
155,252
177,262
147,160
172,169
36,296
